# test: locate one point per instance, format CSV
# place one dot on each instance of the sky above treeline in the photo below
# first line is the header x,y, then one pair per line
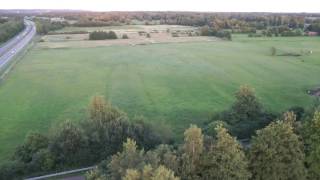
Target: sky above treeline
x,y
169,5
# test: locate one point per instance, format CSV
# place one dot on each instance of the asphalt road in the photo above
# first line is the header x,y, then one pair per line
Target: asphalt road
x,y
9,49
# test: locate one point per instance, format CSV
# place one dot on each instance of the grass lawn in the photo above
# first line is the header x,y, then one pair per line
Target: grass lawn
x,y
174,84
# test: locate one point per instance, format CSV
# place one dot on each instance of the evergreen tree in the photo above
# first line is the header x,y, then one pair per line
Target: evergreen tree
x,y
225,159
277,153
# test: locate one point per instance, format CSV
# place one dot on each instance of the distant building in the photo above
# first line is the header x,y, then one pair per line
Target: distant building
x,y
311,33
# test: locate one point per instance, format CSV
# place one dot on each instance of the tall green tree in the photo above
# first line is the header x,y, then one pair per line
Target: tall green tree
x,y
277,153
192,150
312,140
225,159
69,144
246,115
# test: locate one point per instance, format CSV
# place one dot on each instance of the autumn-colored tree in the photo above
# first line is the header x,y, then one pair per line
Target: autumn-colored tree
x,y
102,111
277,153
95,174
225,159
149,173
312,140
192,150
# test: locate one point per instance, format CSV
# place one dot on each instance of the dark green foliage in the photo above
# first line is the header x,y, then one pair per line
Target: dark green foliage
x,y
224,35
273,51
33,144
45,26
315,27
101,35
245,115
209,31
277,153
9,29
125,36
12,170
312,140
298,111
83,144
69,144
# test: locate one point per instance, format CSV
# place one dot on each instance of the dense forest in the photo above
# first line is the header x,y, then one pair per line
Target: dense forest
x,y
9,28
242,142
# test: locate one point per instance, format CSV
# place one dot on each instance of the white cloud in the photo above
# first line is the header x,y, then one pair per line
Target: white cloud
x,y
169,5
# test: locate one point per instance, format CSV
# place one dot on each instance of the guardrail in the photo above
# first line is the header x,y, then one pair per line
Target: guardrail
x,y
61,173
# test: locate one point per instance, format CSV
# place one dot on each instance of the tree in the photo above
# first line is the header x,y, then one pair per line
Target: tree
x,y
168,157
129,158
277,153
125,36
95,174
273,51
102,111
106,129
132,174
149,173
34,143
192,148
245,115
312,139
69,144
225,159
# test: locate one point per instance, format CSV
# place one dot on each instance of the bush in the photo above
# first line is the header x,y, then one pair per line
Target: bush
x,y
174,34
148,35
125,36
101,35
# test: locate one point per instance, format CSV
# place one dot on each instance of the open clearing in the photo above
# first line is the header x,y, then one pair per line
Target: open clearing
x,y
173,83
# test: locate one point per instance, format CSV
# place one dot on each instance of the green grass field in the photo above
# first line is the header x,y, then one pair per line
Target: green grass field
x,y
175,84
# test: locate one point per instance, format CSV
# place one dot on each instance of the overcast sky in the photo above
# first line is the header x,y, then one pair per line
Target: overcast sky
x,y
169,5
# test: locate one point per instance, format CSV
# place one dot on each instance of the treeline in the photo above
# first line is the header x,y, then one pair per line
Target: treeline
x,y
10,28
270,146
209,31
235,22
278,31
102,35
44,26
315,26
74,145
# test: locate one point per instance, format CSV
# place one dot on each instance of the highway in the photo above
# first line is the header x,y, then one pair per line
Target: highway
x,y
9,49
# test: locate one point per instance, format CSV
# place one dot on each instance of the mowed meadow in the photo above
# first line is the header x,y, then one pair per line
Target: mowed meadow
x,y
173,84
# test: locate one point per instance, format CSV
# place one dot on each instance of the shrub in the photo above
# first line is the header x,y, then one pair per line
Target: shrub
x,y
125,36
101,35
174,34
